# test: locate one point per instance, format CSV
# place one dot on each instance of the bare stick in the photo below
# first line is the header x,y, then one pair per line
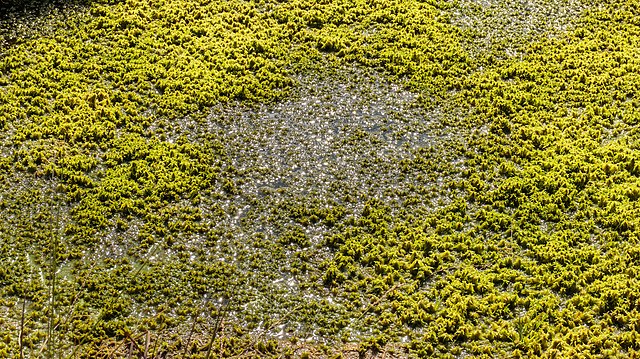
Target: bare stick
x,y
193,326
219,320
50,326
146,344
21,335
383,296
155,345
42,348
116,349
134,343
99,318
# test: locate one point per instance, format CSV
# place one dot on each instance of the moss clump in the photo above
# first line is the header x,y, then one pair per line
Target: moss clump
x,y
527,260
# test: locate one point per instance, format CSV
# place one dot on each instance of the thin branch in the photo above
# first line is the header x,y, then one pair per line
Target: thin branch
x,y
52,308
115,349
99,319
219,320
193,326
134,342
21,335
155,345
383,296
146,344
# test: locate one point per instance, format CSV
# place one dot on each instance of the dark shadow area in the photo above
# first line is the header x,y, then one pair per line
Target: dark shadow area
x,y
12,9
22,19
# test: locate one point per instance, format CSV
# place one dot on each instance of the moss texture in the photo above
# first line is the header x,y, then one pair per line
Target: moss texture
x,y
157,197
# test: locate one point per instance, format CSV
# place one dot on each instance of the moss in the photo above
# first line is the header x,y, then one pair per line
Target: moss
x,y
516,237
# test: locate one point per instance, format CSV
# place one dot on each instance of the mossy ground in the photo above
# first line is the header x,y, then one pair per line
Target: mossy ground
x,y
263,178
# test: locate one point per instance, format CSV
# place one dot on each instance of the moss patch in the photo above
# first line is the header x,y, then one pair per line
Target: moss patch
x,y
167,189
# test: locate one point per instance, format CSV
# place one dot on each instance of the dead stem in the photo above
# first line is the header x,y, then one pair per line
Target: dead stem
x,y
21,334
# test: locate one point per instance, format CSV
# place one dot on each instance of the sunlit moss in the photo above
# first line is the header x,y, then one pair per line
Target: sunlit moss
x,y
527,249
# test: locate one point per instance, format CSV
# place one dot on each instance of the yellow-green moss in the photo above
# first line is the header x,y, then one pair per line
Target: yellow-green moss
x,y
531,250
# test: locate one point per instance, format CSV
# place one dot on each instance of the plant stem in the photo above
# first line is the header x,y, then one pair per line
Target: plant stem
x,y
219,320
53,268
193,326
146,345
21,335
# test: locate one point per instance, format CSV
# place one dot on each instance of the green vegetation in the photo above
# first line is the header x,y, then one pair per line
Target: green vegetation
x,y
130,226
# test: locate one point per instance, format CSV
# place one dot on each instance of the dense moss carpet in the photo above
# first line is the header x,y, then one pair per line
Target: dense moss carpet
x,y
382,178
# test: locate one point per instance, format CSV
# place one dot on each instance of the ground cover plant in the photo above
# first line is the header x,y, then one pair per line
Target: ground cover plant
x,y
320,179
